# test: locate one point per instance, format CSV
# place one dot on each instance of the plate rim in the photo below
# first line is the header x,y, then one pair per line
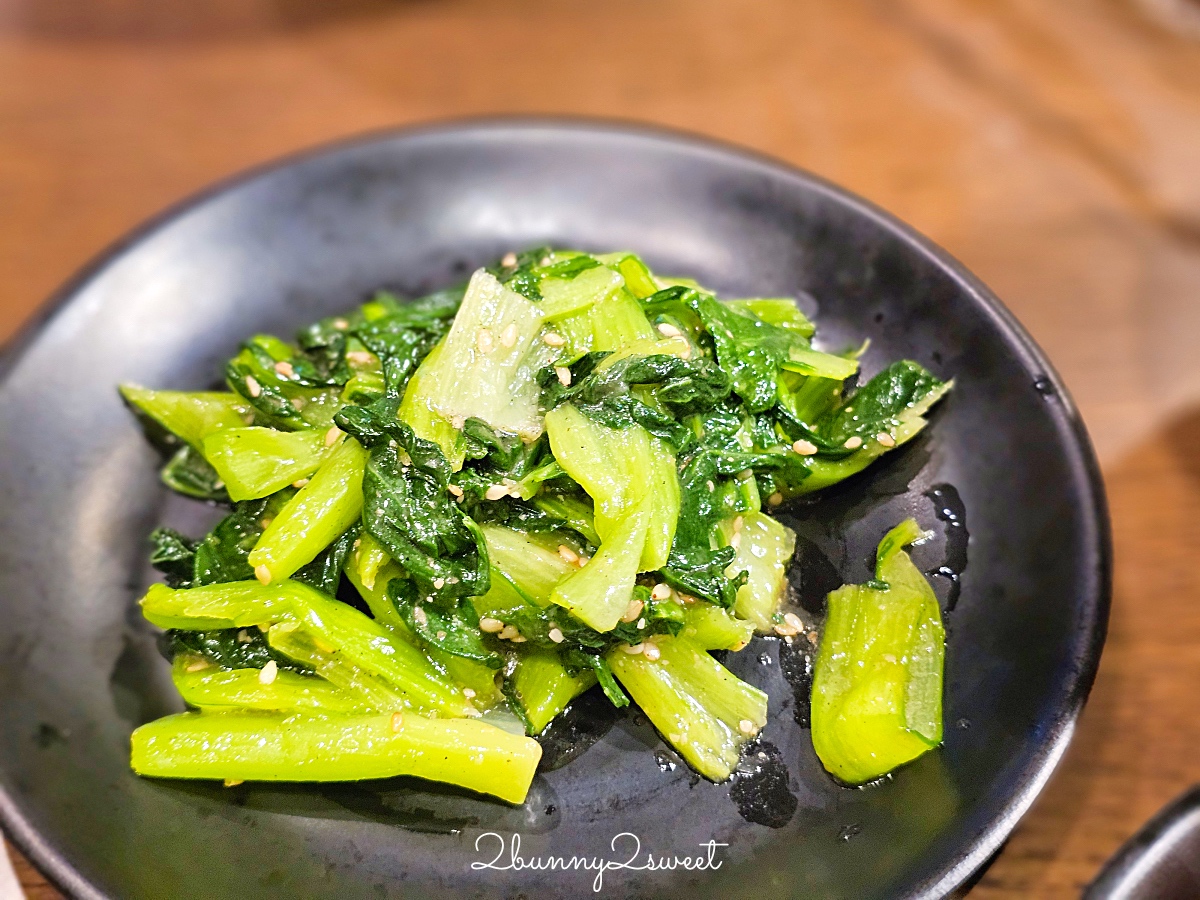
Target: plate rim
x,y
1082,461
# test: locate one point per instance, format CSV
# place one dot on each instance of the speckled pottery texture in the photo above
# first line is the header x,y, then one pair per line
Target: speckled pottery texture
x,y
1004,477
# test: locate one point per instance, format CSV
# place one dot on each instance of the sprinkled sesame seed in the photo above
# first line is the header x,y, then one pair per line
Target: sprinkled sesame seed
x,y
361,357
484,341
545,261
794,620
421,616
340,323
885,440
243,637
468,693
888,657
641,623
439,583
650,650
441,635
234,782
284,368
568,554
853,443
775,499
584,560
564,375
710,485
661,591
269,672
746,726
332,435
553,339
508,632
508,336
666,329
520,639
804,448
299,482
738,523
397,720
455,490
509,260
736,541
490,625
262,573
253,386
556,635
266,523
198,665
785,630
675,738
496,491
471,712
745,474
633,610
297,403
633,649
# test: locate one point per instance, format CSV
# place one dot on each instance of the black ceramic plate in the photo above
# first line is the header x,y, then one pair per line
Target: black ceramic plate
x,y
416,210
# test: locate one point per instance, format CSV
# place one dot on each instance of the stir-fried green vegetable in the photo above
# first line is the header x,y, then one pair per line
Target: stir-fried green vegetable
x,y
877,683
553,477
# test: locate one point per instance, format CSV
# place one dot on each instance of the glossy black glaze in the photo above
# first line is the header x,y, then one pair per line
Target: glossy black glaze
x,y
415,210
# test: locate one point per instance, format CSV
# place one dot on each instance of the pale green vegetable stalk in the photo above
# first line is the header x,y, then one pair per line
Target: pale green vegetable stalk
x,y
189,415
764,550
543,687
620,469
701,708
235,604
486,367
321,510
207,686
417,410
526,562
258,746
257,462
599,593
877,683
712,628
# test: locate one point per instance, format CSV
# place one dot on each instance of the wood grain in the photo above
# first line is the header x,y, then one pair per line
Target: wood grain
x,y
1051,146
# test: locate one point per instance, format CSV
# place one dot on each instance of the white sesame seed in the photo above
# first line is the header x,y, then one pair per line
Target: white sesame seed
x,y
736,541
888,657
468,693
299,482
641,623
885,440
262,573
804,448
556,635
471,712
746,726
745,474
661,591
520,639
675,738
584,560
545,261
284,368
812,638
568,554
650,650
332,435
243,637
633,649
710,485
794,620
421,617
490,625
266,523
269,672
297,403
253,386
441,635
397,721
666,329
508,336
508,632
633,610
439,583
564,375
775,499
738,523
361,357
455,490
509,260
853,443
785,630
198,665
496,491
553,339
483,340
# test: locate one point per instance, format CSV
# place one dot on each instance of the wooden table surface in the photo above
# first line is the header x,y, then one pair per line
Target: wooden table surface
x,y
1052,147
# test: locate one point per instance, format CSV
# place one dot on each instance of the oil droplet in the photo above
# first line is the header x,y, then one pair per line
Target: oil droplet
x,y
760,786
848,831
949,508
1044,386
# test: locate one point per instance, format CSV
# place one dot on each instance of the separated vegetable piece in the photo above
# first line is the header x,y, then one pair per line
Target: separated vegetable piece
x,y
764,550
206,686
542,687
877,684
322,510
599,593
699,707
190,416
263,746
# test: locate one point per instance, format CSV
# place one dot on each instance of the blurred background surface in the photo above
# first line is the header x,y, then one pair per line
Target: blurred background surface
x,y
1053,147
